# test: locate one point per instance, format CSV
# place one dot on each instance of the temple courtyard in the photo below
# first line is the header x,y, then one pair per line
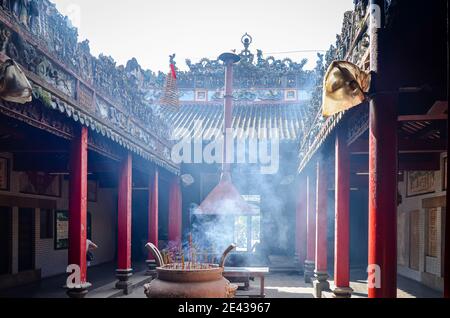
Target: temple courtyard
x,y
298,152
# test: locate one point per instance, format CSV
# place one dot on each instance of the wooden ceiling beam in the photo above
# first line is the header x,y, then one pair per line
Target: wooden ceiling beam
x,y
58,163
440,107
426,117
33,146
420,162
8,132
422,146
406,162
359,181
361,146
43,163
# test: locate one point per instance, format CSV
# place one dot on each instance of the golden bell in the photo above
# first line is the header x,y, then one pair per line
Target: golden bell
x,y
14,85
345,86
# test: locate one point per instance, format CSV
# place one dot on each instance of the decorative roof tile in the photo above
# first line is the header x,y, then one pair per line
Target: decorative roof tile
x,y
249,120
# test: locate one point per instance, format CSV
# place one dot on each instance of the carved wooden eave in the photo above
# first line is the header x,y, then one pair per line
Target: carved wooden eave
x,y
356,50
37,115
252,73
67,79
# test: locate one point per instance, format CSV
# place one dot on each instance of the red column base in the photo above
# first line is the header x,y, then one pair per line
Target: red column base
x,y
308,272
151,267
298,262
79,291
343,292
320,283
123,276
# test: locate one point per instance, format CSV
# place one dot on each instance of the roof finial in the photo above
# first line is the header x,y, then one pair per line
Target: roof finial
x,y
172,59
246,40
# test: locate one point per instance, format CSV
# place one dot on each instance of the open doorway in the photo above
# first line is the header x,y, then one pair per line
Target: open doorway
x,y
26,240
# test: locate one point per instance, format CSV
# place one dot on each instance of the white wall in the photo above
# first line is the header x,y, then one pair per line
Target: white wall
x,y
430,269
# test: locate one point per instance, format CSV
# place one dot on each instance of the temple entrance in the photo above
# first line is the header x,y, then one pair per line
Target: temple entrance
x,y
140,225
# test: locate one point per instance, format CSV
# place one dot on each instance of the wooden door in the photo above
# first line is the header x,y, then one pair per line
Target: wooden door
x,y
414,252
26,240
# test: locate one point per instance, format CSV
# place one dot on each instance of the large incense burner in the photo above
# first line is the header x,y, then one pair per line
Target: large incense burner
x,y
189,279
205,282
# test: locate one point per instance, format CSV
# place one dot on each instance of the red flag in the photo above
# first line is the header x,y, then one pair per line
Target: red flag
x,y
174,72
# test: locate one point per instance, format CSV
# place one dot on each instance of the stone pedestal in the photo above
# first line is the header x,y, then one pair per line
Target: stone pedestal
x,y
320,283
296,259
151,268
298,264
78,292
343,292
123,276
309,271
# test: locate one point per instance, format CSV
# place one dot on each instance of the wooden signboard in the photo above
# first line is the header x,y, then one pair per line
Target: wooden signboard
x,y
420,182
61,230
403,238
432,234
39,183
444,174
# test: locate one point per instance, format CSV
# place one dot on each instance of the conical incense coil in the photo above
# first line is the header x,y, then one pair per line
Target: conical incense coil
x,y
170,99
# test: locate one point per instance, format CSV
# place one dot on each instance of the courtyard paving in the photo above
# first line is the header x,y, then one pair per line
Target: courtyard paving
x,y
407,288
99,276
278,285
291,285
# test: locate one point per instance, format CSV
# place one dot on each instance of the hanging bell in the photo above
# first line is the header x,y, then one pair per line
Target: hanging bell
x,y
345,86
14,85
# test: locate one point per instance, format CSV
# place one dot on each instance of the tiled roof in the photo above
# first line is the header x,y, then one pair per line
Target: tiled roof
x,y
249,120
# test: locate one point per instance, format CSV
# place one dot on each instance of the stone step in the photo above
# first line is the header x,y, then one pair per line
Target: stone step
x,y
110,290
328,294
285,270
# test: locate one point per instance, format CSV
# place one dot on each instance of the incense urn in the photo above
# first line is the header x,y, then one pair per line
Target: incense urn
x,y
204,282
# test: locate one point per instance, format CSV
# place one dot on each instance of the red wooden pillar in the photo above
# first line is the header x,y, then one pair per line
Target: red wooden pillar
x,y
311,229
383,198
383,167
153,210
78,211
447,245
342,217
125,192
447,237
301,220
321,271
175,213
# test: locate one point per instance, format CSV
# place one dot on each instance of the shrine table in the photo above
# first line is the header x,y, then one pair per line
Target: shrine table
x,y
247,273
